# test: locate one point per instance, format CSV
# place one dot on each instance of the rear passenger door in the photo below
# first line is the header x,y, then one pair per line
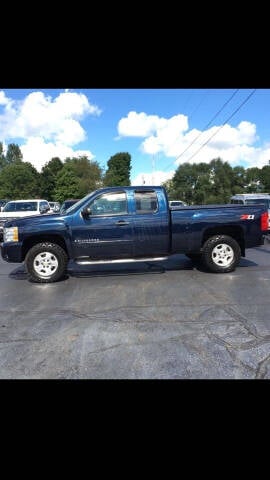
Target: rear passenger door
x,y
150,224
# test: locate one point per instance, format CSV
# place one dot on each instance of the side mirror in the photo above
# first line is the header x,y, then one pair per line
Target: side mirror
x,y
86,212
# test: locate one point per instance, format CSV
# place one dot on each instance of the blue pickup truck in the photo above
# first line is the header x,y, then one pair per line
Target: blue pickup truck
x,y
117,224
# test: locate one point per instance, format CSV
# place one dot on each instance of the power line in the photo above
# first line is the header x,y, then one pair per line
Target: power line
x,y
204,128
196,108
227,120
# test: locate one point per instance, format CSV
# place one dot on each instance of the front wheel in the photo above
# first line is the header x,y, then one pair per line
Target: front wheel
x,y
221,254
46,262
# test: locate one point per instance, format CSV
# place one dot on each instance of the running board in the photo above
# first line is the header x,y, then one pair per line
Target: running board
x,y
87,261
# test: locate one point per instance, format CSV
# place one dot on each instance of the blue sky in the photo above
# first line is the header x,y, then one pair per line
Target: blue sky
x,y
160,128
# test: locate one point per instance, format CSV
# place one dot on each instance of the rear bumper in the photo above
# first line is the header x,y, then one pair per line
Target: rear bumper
x,y
12,252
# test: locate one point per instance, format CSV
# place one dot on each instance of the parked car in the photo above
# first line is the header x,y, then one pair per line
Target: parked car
x,y
68,203
54,207
177,203
22,208
2,203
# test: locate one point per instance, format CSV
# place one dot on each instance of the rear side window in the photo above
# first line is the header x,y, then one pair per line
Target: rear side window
x,y
146,201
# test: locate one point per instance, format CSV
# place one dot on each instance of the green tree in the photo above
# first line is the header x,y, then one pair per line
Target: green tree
x,y
67,183
207,183
191,182
221,182
19,181
48,177
88,173
14,154
169,187
2,156
265,178
238,180
118,171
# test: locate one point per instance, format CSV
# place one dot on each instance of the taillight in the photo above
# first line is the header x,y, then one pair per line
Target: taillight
x,y
265,221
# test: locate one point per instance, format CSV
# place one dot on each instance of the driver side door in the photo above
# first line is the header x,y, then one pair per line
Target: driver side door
x,y
107,232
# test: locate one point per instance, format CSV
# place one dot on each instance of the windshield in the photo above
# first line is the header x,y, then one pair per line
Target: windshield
x,y
77,204
20,207
256,201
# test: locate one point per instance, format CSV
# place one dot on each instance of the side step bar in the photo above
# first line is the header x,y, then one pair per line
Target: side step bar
x,y
88,261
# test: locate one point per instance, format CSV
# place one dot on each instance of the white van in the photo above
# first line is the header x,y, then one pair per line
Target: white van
x,y
251,199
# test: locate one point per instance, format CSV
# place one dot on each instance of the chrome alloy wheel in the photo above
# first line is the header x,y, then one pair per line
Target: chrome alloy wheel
x,y
223,255
45,264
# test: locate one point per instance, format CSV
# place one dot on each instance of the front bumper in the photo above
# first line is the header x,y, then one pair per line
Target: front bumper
x,y
12,252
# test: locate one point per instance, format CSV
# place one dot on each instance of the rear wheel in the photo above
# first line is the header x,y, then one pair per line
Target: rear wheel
x,y
221,254
46,262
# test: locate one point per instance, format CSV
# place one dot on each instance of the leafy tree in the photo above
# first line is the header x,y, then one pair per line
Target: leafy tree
x,y
221,180
190,182
88,172
2,156
253,181
48,177
19,181
118,172
238,180
168,185
67,183
14,154
265,178
207,183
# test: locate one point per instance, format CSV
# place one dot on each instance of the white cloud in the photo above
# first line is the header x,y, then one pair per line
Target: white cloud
x,y
3,98
143,125
37,152
52,124
172,138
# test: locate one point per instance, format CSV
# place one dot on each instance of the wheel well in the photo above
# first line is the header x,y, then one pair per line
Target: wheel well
x,y
30,242
231,231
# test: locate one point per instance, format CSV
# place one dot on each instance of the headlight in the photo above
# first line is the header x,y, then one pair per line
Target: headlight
x,y
11,234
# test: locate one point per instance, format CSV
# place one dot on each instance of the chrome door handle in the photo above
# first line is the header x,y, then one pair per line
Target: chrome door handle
x,y
121,222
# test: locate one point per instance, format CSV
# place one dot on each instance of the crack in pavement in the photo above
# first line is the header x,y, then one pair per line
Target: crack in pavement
x,y
261,371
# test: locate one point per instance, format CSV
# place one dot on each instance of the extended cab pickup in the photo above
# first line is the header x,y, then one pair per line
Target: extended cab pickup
x,y
132,223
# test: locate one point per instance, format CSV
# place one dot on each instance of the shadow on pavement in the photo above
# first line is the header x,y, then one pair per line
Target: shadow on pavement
x,y
137,268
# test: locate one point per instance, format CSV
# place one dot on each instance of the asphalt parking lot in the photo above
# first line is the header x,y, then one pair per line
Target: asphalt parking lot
x,y
165,320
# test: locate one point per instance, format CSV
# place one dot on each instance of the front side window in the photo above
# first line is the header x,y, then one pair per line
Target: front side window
x,y
146,202
110,204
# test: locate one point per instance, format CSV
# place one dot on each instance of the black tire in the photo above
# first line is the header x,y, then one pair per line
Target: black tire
x,y
46,262
221,254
